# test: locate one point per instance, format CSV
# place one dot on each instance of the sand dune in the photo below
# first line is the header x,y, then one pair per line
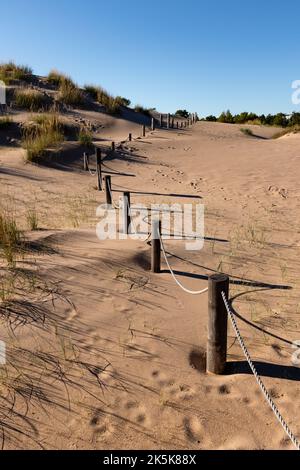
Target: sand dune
x,y
106,355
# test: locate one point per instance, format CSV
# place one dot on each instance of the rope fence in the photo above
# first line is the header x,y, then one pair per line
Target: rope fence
x,y
218,285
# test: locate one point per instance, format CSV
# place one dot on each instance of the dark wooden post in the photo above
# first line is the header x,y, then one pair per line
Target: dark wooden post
x,y
99,169
85,162
155,246
173,123
217,324
107,180
113,147
177,124
161,120
144,131
130,137
126,212
168,121
152,124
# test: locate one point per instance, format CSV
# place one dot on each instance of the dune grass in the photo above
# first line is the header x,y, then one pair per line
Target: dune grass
x,y
140,109
111,104
288,130
41,135
69,93
32,219
246,131
5,122
11,238
10,71
31,100
56,78
85,137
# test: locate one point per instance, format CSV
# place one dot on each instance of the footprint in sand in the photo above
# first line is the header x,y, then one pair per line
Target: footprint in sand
x,y
193,429
102,427
135,412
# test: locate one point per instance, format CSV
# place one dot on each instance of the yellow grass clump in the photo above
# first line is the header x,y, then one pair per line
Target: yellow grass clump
x,y
41,135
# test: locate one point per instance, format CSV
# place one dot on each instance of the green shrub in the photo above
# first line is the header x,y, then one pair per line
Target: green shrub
x,y
182,113
123,101
32,100
10,71
85,138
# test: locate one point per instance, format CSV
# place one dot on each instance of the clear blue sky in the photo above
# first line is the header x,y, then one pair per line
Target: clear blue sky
x,y
206,56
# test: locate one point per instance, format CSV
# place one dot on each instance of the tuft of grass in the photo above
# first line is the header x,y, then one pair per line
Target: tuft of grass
x,y
43,134
246,131
10,71
69,93
56,78
11,238
85,137
287,130
92,90
32,100
32,219
140,109
5,122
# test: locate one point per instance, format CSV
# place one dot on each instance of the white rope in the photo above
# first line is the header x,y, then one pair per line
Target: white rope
x,y
174,277
257,377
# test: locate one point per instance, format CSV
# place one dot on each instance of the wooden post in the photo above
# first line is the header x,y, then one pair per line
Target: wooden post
x,y
172,123
161,120
168,121
113,147
85,162
152,124
99,169
217,324
177,125
155,246
126,212
144,131
107,180
130,137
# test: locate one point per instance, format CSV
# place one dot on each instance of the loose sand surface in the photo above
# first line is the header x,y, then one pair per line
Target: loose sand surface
x,y
103,354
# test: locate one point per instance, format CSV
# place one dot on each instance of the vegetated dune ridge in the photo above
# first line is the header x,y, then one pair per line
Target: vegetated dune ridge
x,y
105,355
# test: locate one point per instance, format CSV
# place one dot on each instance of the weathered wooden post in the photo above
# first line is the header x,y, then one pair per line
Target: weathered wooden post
x,y
155,246
177,124
113,146
107,180
152,124
144,131
217,324
126,212
130,137
161,121
172,123
168,121
85,162
99,169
